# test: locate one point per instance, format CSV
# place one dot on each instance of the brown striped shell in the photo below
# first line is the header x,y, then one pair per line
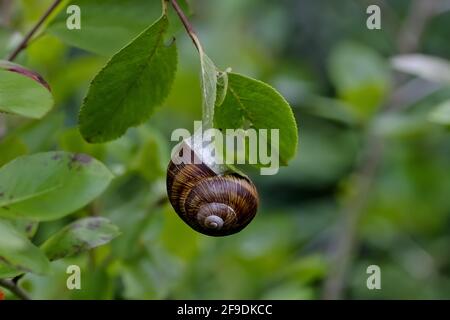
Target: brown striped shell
x,y
211,203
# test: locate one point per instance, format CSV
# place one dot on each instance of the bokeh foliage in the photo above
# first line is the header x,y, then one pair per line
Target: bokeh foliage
x,y
338,76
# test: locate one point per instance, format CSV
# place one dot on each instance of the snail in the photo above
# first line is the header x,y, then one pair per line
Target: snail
x,y
210,198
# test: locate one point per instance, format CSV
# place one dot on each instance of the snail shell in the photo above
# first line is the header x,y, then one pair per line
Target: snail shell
x,y
211,202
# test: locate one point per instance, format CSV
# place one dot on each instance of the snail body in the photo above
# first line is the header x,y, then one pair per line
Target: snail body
x,y
211,200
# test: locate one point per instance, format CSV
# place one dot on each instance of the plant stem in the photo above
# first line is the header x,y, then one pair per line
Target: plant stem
x,y
345,243
24,43
208,109
187,25
420,13
346,240
15,289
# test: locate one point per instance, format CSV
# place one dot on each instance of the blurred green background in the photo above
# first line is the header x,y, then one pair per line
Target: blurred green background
x,y
370,184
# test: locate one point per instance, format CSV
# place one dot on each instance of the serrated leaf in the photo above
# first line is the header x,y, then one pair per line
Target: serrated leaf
x,y
106,25
441,114
262,107
135,81
23,92
427,67
47,186
80,236
18,254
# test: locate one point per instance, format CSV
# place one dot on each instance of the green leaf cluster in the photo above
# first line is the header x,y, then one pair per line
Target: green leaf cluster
x,y
50,200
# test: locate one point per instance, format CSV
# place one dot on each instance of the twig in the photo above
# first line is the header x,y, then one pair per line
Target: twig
x,y
345,242
187,25
208,109
421,11
15,289
24,43
346,239
17,279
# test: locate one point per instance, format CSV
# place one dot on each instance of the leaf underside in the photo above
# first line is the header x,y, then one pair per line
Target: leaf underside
x,y
48,186
23,92
135,81
80,236
254,103
18,254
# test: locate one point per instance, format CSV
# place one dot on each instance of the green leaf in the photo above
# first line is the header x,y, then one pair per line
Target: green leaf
x,y
328,108
426,67
48,186
26,227
106,25
441,114
360,76
249,101
400,125
135,81
7,272
23,92
222,88
209,88
80,236
153,276
18,254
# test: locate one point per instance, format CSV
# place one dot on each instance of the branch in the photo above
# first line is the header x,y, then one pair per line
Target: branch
x,y
187,25
346,240
24,43
15,289
420,13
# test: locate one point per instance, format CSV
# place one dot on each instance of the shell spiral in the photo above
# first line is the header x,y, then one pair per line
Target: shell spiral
x,y
212,204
